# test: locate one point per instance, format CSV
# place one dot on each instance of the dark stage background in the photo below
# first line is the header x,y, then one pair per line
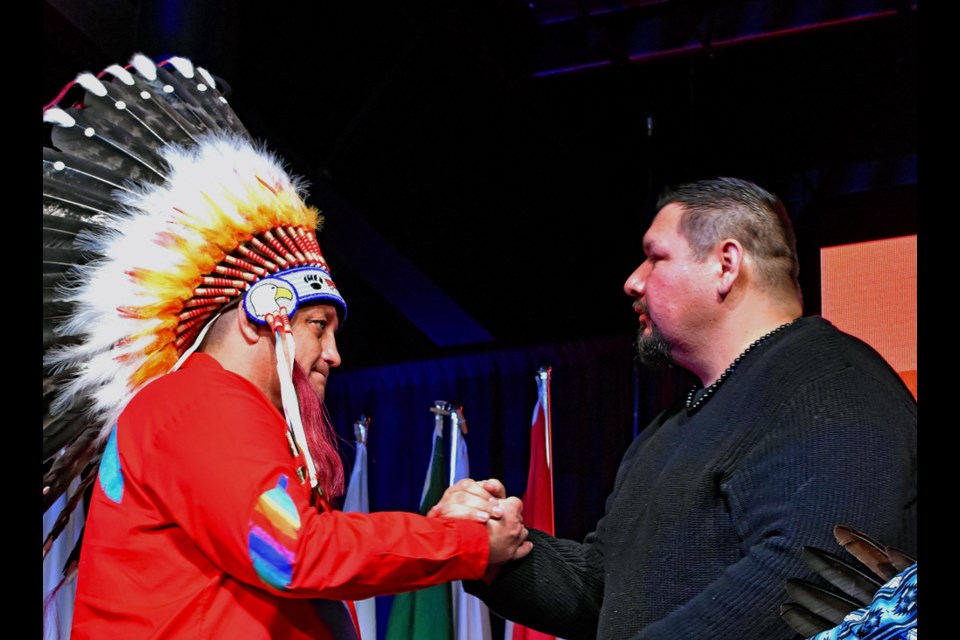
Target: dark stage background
x,y
487,170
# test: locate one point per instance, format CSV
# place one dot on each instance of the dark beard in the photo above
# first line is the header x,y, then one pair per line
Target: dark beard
x,y
653,350
321,437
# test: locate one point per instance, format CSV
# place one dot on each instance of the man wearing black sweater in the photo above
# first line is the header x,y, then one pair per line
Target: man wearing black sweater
x,y
796,427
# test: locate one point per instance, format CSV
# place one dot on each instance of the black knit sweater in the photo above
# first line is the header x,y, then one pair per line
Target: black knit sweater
x,y
709,511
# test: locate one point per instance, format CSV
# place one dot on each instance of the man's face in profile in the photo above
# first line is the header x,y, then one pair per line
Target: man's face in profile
x,y
671,290
314,332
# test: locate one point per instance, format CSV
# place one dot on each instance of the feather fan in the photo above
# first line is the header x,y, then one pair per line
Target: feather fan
x,y
852,584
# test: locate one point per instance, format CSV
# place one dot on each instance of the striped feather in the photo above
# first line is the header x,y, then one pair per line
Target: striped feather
x,y
871,553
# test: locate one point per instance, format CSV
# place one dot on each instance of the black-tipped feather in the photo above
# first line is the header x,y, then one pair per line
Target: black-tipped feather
x,y
184,99
104,143
81,174
163,118
56,309
82,203
64,518
57,237
803,621
58,259
51,339
822,602
817,609
51,280
76,457
106,111
62,430
854,582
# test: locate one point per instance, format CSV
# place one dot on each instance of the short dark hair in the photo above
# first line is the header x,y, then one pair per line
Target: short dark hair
x,y
721,208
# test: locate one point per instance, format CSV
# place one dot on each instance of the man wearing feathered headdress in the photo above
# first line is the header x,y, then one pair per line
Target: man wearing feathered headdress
x,y
192,332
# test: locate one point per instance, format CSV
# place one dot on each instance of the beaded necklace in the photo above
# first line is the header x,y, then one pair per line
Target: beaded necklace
x,y
692,405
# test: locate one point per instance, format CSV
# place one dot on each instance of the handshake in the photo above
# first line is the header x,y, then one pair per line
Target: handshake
x,y
486,501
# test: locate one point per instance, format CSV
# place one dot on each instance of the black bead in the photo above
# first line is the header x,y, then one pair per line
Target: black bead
x,y
692,406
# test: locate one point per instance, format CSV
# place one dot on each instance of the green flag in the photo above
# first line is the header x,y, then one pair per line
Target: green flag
x,y
426,614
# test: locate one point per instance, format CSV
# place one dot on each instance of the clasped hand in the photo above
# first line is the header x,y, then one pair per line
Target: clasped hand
x,y
486,501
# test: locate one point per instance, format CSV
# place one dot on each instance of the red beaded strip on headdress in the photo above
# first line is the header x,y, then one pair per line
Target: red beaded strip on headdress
x,y
259,256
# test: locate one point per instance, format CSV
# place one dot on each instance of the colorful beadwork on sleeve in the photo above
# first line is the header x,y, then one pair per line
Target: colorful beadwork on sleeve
x,y
110,475
274,529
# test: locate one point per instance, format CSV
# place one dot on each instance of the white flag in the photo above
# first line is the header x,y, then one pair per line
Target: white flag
x,y
358,499
471,618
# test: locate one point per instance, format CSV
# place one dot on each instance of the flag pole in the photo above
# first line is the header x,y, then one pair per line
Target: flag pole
x,y
440,409
454,444
360,428
458,429
543,382
538,496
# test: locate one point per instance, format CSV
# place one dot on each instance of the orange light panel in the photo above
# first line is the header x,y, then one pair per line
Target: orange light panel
x,y
869,289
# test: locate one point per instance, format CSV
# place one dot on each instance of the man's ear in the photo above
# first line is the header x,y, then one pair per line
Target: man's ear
x,y
731,259
248,328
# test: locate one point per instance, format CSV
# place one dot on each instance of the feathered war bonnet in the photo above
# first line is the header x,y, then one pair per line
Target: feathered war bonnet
x,y
159,211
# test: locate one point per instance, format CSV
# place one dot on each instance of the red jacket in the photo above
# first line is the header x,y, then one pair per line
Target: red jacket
x,y
200,528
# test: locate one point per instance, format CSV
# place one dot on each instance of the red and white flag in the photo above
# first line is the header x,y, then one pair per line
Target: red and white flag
x,y
538,497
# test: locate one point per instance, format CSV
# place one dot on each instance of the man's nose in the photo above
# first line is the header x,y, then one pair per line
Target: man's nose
x,y
330,352
633,287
